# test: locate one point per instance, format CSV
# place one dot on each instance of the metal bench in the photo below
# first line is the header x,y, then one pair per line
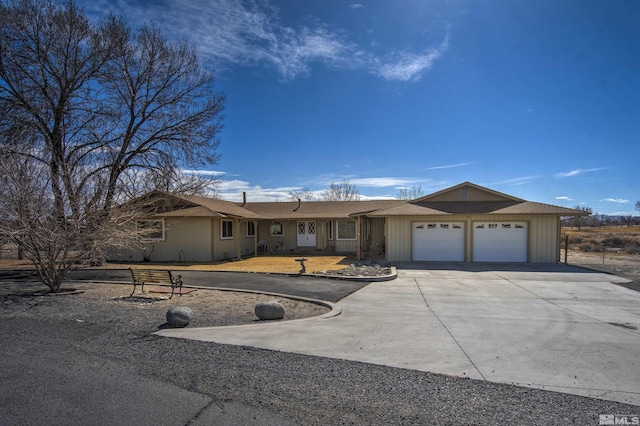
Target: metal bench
x,y
155,276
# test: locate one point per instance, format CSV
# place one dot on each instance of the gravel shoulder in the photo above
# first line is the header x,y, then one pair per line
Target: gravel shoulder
x,y
308,390
625,266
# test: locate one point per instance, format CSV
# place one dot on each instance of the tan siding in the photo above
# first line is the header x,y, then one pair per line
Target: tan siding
x,y
223,249
544,239
187,240
398,244
248,243
346,246
377,231
543,234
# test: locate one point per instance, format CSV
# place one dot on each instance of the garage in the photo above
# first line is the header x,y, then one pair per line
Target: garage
x,y
438,241
500,241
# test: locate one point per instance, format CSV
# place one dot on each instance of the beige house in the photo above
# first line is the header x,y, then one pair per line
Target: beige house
x,y
465,223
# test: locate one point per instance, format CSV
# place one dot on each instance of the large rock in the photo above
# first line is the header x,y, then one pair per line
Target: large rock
x,y
179,316
272,310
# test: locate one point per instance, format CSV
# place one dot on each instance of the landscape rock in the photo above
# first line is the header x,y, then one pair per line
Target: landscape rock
x,y
359,270
179,316
272,310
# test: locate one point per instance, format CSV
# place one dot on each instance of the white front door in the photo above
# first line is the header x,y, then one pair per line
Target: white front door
x,y
306,234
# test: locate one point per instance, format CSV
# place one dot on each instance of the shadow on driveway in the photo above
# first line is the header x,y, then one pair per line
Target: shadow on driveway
x,y
311,287
492,266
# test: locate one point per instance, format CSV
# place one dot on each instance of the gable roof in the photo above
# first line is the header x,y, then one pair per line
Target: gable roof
x,y
477,200
474,193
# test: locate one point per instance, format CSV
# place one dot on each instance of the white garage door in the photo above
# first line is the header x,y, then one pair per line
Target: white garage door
x,y
500,241
438,241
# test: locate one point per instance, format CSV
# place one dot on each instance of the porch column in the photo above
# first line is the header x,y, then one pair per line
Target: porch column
x,y
238,240
255,237
358,242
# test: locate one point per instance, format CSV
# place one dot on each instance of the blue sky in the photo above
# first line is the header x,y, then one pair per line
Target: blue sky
x,y
538,99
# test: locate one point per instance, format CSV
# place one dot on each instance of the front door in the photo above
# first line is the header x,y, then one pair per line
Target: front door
x,y
306,234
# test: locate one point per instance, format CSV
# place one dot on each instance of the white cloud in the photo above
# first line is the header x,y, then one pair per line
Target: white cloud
x,y
617,200
383,182
514,181
564,198
250,33
409,66
576,172
623,213
449,166
209,173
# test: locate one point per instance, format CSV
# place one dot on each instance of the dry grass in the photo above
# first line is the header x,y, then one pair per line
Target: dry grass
x,y
621,240
283,264
603,230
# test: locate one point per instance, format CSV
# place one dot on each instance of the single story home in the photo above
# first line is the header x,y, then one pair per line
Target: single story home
x,y
464,223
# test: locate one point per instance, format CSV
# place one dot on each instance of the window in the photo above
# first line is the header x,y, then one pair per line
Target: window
x,y
151,229
227,230
251,229
346,230
276,229
330,230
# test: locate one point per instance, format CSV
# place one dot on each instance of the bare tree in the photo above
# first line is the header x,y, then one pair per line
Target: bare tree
x,y
410,193
137,182
341,191
638,206
85,106
303,194
579,221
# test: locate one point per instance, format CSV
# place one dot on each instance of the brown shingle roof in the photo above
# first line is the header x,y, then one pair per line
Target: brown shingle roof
x,y
224,208
318,209
426,208
184,205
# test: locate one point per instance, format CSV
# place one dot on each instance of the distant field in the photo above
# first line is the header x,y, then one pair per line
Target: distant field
x,y
604,229
616,239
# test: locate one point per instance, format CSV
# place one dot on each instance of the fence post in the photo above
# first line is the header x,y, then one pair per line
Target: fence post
x,y
604,250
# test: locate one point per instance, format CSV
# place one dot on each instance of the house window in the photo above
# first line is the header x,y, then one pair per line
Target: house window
x,y
346,230
330,230
227,229
151,229
251,229
276,229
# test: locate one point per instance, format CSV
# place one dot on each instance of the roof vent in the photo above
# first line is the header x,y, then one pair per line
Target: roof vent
x,y
244,199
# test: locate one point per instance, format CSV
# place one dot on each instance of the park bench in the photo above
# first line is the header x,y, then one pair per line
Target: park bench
x,y
155,276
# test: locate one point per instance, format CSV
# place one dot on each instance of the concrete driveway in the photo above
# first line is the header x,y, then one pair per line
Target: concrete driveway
x,y
553,327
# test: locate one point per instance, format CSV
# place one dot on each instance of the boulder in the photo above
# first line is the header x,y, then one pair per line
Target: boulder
x,y
272,310
179,316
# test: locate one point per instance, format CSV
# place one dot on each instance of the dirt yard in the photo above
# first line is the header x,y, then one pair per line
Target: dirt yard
x,y
110,304
622,265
